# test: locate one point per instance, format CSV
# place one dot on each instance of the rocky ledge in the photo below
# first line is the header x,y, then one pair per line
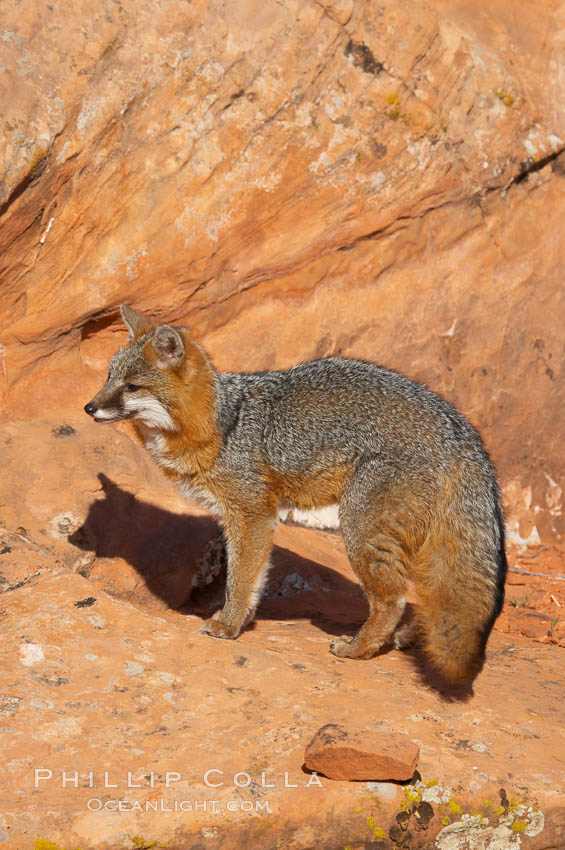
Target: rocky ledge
x,y
125,727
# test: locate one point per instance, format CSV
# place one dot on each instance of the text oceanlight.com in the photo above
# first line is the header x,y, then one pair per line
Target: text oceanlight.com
x,y
211,807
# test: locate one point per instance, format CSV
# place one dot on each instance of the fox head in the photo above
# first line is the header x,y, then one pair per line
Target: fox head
x,y
153,377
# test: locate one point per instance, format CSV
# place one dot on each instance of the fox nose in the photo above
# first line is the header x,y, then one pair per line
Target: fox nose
x,y
90,408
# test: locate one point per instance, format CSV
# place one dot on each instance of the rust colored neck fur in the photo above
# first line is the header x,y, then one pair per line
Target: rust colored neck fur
x,y
191,449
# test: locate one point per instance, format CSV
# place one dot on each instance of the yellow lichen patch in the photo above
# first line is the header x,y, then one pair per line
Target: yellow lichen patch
x,y
454,807
393,101
519,826
141,844
357,810
411,794
506,97
36,166
371,822
446,820
379,833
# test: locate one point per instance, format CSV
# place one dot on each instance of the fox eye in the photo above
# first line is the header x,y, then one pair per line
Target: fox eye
x,y
131,388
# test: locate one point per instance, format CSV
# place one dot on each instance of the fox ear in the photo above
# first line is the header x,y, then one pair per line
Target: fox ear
x,y
136,323
169,346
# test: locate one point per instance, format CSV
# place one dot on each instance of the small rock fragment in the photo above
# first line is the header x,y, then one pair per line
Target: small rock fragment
x,y
85,603
133,668
341,752
63,431
30,654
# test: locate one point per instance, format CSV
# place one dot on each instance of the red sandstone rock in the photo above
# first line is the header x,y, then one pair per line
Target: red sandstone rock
x,y
295,180
341,752
290,180
98,672
94,684
534,624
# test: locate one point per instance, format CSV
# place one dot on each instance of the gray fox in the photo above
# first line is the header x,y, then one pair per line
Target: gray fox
x,y
418,499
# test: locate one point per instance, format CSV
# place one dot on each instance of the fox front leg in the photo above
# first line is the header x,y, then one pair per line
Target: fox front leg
x,y
249,542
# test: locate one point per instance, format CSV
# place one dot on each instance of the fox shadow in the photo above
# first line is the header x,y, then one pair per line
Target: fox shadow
x,y
167,549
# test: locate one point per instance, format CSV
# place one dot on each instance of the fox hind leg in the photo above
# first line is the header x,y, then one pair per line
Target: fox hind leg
x,y
373,538
374,632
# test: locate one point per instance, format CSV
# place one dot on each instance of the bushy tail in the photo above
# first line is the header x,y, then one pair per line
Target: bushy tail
x,y
460,601
454,638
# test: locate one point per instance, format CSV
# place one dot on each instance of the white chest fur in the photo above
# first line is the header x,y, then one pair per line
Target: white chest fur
x,y
156,445
200,496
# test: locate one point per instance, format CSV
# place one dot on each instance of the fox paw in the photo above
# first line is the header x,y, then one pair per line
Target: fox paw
x,y
351,647
341,646
217,629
